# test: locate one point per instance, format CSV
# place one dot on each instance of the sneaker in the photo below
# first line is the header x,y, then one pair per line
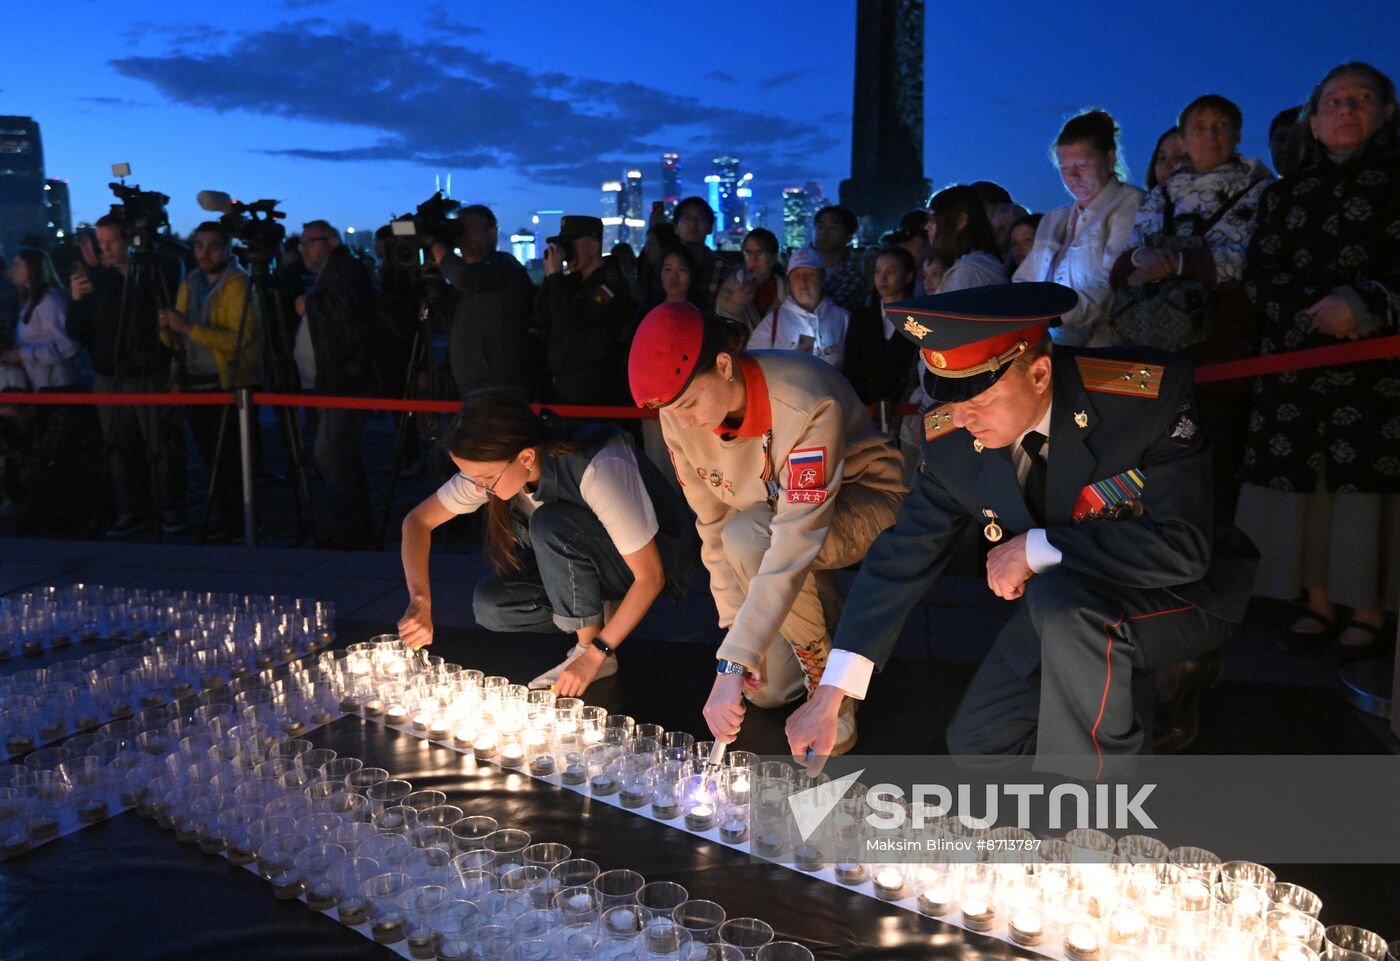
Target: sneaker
x,y
845,728
125,525
171,522
547,679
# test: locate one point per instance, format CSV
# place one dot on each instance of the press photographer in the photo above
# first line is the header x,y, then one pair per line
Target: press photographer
x,y
334,355
214,324
586,314
115,315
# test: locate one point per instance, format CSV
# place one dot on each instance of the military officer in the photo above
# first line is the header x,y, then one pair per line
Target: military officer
x,y
1087,471
788,476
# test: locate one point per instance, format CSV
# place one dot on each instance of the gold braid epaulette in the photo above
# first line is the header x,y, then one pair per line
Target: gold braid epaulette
x,y
938,422
1120,376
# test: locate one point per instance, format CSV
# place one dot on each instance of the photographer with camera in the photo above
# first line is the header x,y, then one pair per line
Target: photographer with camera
x,y
213,321
586,314
334,355
488,345
115,314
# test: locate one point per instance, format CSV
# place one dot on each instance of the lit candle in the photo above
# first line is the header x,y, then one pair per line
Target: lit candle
x,y
592,736
420,721
512,755
1248,902
1158,907
935,899
484,747
396,714
1027,927
1194,894
739,787
439,728
1126,927
1293,926
1081,943
579,902
464,736
701,817
1293,952
889,884
977,914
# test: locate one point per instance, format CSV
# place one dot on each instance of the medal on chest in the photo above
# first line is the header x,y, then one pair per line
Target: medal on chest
x,y
992,531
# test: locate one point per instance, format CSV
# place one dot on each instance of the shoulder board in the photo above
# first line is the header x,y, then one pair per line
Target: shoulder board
x,y
938,422
1120,376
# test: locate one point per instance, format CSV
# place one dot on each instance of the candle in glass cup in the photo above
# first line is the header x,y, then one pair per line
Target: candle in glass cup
x,y
1027,926
512,755
701,817
1127,926
734,830
978,912
439,727
889,884
1081,942
936,899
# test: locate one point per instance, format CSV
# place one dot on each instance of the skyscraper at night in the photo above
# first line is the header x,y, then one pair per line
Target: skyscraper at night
x,y
23,216
611,212
634,223
795,218
887,132
670,181
58,210
729,197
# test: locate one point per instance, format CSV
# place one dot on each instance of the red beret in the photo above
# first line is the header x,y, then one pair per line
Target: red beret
x,y
664,352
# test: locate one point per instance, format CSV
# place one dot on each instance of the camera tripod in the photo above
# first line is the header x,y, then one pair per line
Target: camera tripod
x,y
420,370
265,297
143,278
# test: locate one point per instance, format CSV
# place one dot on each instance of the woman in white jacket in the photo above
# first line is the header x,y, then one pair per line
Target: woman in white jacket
x,y
43,349
1077,244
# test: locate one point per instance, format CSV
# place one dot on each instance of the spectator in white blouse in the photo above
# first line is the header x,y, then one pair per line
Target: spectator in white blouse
x,y
1077,244
808,321
43,349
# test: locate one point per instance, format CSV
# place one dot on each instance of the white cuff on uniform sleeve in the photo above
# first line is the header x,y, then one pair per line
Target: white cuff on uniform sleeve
x,y
1040,553
848,672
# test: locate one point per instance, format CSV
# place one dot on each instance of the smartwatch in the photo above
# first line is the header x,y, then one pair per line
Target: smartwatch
x,y
601,645
730,667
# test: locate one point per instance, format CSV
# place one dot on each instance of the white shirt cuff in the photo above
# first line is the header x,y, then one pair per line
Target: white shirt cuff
x,y
848,672
1040,553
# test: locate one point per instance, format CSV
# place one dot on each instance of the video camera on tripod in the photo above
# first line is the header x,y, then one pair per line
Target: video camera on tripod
x,y
431,222
142,211
255,224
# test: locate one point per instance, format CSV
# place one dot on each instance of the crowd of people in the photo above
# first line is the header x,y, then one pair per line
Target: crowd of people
x,y
1216,257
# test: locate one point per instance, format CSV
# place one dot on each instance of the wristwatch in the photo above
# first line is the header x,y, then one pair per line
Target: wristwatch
x,y
730,667
601,645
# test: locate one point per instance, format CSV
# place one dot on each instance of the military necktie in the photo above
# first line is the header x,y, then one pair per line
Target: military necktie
x,y
1035,477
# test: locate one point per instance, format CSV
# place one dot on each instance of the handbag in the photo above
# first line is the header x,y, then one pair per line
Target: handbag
x,y
1170,314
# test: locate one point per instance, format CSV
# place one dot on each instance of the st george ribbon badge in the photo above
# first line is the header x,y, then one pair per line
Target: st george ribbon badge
x,y
1114,498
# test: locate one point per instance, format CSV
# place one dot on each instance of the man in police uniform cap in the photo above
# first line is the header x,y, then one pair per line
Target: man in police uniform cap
x,y
586,315
1087,471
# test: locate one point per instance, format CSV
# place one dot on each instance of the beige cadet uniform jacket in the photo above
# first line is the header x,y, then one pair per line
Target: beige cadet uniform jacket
x,y
806,431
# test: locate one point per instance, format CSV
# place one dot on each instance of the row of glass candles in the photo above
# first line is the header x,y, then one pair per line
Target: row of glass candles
x,y
180,644
1087,896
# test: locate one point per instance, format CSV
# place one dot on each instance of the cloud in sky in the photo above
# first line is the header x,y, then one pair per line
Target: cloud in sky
x,y
435,102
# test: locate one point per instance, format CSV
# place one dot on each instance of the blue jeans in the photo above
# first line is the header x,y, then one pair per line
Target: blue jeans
x,y
569,567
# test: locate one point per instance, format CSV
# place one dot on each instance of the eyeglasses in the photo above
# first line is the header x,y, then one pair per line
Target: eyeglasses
x,y
491,487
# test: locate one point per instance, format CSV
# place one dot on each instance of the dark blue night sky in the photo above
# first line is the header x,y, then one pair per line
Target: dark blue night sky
x,y
350,110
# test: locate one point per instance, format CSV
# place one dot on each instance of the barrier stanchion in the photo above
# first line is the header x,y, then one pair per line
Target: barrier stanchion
x,y
245,461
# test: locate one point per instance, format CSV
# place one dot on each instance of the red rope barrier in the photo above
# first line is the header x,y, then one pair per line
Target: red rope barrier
x,y
1347,352
172,399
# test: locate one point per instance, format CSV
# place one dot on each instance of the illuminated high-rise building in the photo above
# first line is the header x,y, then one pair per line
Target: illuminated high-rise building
x,y
23,216
634,224
58,210
670,182
611,213
522,245
796,218
730,200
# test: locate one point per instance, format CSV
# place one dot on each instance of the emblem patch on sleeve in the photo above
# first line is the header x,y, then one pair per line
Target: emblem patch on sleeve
x,y
807,470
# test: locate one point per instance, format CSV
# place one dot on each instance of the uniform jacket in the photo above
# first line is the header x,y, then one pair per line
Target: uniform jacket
x,y
821,438
1101,234
1172,545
